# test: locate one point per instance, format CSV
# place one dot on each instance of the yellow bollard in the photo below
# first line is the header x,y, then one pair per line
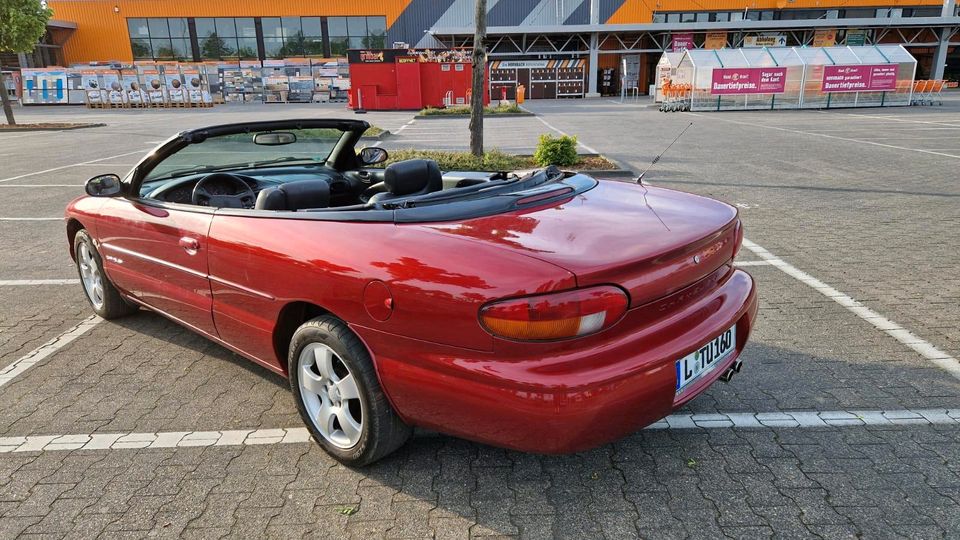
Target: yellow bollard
x,y
521,93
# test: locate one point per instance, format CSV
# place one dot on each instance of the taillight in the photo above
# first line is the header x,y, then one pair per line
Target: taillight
x,y
555,315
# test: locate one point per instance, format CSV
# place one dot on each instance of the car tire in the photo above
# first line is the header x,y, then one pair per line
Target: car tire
x,y
325,397
104,298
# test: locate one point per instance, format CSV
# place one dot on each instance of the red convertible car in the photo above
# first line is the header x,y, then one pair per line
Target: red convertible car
x,y
544,311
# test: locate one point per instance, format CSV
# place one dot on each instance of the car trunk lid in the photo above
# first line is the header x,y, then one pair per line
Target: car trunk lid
x,y
650,241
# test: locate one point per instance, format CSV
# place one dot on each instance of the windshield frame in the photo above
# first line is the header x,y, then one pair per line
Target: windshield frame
x,y
341,157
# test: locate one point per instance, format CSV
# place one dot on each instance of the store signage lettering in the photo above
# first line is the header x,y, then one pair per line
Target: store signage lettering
x,y
869,78
371,56
521,64
682,42
825,37
764,80
407,60
715,40
856,38
774,40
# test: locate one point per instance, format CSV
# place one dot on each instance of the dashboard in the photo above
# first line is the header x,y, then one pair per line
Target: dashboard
x,y
180,190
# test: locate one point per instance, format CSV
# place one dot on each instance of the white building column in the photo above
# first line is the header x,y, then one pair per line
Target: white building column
x,y
592,67
594,45
940,55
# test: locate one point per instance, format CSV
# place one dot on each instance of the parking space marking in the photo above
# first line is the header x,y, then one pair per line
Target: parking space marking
x,y
34,357
71,165
246,437
756,263
39,185
920,346
824,135
26,282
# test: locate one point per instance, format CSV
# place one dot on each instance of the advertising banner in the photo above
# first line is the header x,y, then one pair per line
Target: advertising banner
x,y
768,40
112,86
153,82
175,91
91,86
43,85
856,38
862,78
682,42
715,40
194,85
131,86
738,81
826,37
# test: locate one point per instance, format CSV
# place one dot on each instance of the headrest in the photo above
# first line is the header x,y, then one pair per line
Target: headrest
x,y
306,194
299,195
413,176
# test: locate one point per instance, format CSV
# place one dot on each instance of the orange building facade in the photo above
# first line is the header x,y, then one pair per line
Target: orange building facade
x,y
601,32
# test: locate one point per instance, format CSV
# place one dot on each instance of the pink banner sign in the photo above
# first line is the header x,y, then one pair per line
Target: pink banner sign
x,y
682,42
763,80
865,78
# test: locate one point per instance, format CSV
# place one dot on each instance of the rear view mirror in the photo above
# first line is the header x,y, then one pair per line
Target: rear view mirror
x,y
372,155
274,138
105,185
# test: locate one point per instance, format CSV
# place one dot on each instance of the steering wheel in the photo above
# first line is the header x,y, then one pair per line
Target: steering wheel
x,y
379,187
244,197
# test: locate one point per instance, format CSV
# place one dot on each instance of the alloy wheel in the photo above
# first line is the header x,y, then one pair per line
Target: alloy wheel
x,y
330,395
91,276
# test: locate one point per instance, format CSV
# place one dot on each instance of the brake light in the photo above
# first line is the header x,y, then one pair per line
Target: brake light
x,y
554,316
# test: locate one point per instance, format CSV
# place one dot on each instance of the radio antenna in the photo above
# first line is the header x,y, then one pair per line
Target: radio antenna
x,y
660,155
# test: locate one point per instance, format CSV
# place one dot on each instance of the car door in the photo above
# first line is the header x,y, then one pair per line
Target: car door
x,y
158,253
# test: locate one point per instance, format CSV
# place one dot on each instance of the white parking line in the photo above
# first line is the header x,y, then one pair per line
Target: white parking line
x,y
824,135
755,263
892,329
71,165
32,358
39,185
248,437
26,282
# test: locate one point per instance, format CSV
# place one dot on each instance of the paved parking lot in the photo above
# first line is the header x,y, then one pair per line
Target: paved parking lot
x,y
844,423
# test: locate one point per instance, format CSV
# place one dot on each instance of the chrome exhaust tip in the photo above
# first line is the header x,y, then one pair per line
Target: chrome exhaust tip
x,y
734,368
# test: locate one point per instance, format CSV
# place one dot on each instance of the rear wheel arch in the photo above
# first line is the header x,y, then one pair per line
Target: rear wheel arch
x,y
290,318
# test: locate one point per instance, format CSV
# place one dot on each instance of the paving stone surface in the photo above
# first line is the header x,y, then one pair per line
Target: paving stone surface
x,y
875,222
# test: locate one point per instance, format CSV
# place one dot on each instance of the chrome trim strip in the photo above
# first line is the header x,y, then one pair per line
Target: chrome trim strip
x,y
241,287
188,270
161,262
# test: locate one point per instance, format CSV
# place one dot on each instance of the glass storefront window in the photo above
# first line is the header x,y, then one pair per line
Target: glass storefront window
x,y
138,28
271,27
246,27
158,28
141,49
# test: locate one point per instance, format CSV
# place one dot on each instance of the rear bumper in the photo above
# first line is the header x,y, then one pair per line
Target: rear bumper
x,y
568,396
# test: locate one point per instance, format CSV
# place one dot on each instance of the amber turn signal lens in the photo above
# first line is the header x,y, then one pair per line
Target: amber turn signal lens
x,y
555,316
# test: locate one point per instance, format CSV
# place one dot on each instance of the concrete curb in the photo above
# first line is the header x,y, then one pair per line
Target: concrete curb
x,y
26,130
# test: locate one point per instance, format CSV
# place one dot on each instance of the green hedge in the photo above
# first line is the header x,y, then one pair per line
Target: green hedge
x,y
464,109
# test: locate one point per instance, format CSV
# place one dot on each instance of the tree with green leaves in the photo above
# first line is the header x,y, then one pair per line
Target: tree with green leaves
x,y
22,23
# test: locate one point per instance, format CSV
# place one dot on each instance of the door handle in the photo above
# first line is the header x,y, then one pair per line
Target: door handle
x,y
190,245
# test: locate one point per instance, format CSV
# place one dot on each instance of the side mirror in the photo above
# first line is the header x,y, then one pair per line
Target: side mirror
x,y
274,138
372,155
105,185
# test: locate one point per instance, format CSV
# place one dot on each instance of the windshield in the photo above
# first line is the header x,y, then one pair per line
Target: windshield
x,y
246,150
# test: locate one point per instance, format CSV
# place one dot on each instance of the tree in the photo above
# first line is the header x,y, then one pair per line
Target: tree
x,y
22,23
479,72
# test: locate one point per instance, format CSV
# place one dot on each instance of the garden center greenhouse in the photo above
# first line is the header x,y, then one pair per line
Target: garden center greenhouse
x,y
796,77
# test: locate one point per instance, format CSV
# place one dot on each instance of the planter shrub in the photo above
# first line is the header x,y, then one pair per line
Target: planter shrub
x,y
561,151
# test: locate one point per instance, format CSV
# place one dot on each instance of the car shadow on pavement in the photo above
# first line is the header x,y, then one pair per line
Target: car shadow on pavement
x,y
159,327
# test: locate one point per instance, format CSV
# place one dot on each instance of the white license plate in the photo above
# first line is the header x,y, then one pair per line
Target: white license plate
x,y
705,359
